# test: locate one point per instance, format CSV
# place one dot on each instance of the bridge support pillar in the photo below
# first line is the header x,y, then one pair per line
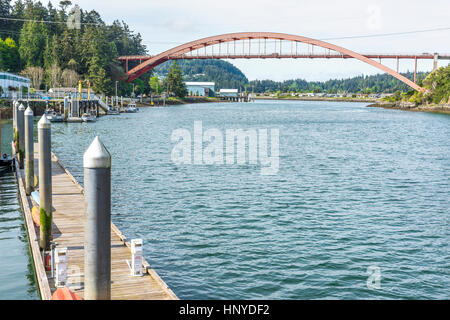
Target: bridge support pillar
x,y
415,69
435,61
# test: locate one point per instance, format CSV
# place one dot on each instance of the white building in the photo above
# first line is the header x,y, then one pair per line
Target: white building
x,y
203,89
229,93
11,83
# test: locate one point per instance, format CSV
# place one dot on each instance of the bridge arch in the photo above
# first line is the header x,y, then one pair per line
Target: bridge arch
x,y
179,51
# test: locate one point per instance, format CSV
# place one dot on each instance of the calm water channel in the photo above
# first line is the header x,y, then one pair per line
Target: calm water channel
x,y
359,208
17,279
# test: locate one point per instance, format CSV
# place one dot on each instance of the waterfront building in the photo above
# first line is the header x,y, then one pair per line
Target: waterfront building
x,y
12,83
203,89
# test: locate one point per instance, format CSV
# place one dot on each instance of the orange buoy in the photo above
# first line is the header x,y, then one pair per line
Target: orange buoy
x,y
65,294
36,216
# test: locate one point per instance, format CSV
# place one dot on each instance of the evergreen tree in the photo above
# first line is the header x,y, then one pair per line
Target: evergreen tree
x,y
32,43
5,25
174,81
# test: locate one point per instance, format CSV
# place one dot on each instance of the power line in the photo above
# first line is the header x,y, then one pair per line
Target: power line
x,y
388,34
46,21
347,37
178,43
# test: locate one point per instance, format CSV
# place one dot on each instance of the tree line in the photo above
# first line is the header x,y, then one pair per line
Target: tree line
x,y
57,47
379,83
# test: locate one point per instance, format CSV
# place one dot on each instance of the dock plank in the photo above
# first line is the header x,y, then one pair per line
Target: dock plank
x,y
68,231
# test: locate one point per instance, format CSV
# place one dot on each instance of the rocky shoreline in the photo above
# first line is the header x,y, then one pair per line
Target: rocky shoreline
x,y
408,106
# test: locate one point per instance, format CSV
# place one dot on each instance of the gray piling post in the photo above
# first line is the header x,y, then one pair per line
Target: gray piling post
x,y
15,106
45,182
21,134
29,151
66,108
97,231
1,154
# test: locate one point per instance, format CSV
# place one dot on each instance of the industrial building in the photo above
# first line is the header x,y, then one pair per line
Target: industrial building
x,y
203,89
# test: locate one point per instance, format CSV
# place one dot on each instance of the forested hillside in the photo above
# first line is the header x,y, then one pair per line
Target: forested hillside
x,y
59,46
226,75
223,73
361,84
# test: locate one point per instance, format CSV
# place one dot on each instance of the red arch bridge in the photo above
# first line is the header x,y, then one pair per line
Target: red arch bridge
x,y
265,45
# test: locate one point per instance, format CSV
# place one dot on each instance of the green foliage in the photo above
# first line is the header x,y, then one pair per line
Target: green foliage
x,y
9,55
379,83
416,97
155,85
91,51
174,81
32,43
224,74
438,83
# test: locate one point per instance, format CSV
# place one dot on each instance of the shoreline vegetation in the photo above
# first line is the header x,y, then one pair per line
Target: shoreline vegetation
x,y
405,106
333,99
435,98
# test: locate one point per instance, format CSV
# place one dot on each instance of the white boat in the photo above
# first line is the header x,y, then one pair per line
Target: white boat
x,y
88,118
55,117
112,111
131,108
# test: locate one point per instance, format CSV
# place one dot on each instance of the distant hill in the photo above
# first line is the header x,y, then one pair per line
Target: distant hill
x,y
223,73
226,75
377,83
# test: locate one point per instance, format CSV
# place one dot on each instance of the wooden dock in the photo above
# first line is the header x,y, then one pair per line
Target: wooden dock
x,y
68,231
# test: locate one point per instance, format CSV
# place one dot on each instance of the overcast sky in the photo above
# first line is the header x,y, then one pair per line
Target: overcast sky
x,y
166,23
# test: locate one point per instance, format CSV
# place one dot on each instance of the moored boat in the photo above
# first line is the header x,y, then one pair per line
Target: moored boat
x,y
53,116
131,108
5,160
88,118
112,111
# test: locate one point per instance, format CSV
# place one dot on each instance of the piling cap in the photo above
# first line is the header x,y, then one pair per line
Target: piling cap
x,y
29,112
44,123
21,107
97,156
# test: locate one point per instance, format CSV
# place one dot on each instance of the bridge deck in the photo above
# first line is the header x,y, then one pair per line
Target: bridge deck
x,y
68,231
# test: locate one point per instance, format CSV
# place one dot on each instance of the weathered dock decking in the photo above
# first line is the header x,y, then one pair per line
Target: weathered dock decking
x,y
68,231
